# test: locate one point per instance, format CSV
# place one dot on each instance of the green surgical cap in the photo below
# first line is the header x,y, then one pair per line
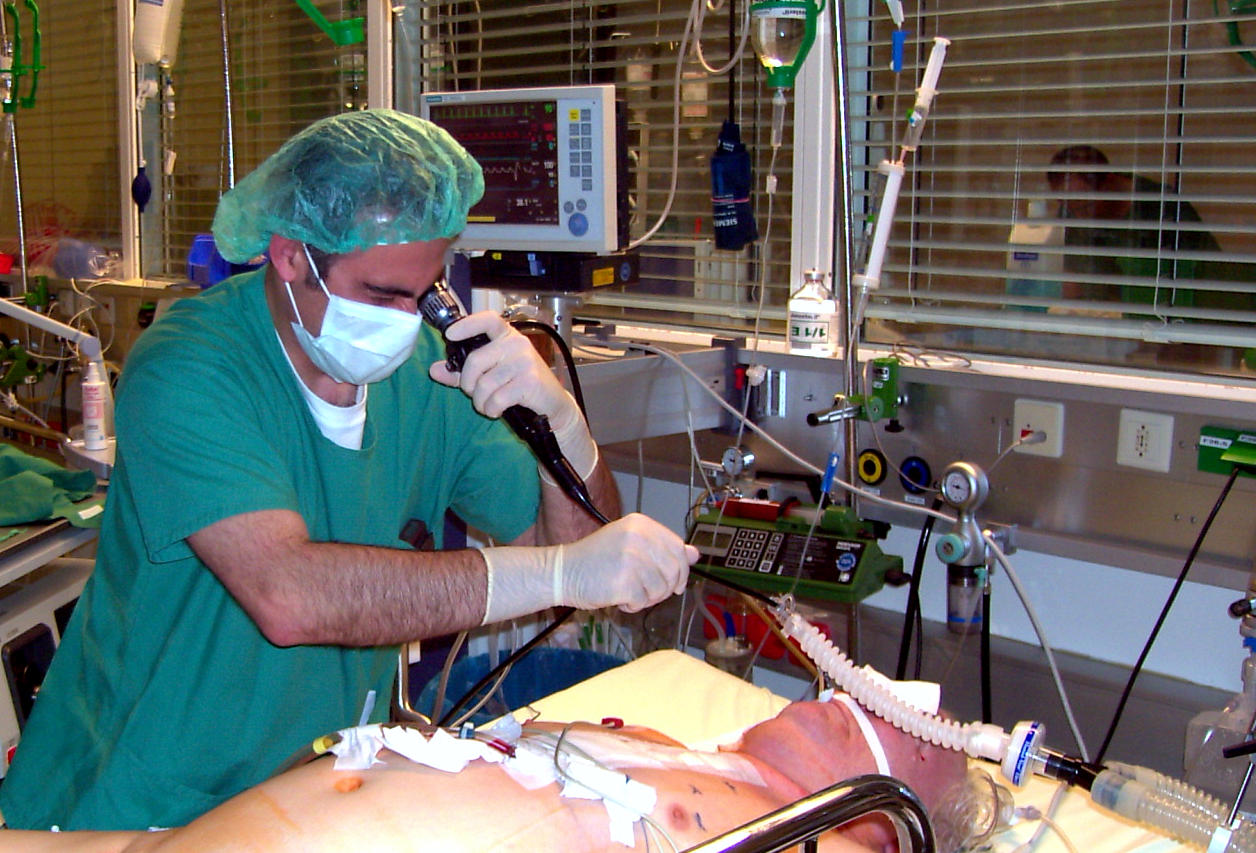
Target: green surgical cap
x,y
352,181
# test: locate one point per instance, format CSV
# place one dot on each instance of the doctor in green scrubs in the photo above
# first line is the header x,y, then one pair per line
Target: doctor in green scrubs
x,y
275,435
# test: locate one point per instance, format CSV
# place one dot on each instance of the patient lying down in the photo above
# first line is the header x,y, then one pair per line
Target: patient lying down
x,y
399,805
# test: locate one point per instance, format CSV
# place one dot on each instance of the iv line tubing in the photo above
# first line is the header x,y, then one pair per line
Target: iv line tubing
x,y
767,437
1042,639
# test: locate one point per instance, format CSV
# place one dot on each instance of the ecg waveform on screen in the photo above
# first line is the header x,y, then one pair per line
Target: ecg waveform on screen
x,y
517,173
516,145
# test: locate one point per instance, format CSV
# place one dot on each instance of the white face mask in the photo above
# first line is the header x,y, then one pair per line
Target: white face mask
x,y
358,343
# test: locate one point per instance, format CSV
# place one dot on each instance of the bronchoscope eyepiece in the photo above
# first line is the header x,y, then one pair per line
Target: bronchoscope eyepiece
x,y
440,307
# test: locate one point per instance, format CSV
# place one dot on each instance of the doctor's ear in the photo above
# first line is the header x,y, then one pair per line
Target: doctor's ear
x,y
288,258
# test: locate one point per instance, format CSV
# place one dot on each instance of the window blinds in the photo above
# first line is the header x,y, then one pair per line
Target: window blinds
x,y
285,73
484,44
67,140
996,248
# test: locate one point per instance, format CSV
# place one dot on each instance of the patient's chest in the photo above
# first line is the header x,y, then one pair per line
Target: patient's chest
x,y
400,806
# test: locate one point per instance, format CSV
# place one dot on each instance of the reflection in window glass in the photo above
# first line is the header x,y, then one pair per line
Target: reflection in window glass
x,y
1084,190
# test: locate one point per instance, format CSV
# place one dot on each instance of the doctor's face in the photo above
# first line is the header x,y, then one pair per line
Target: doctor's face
x,y
388,276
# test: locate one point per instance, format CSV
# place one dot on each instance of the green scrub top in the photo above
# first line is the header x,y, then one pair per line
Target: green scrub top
x,y
164,698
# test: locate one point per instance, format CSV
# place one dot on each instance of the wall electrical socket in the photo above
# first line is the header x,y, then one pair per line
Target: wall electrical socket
x,y
1031,415
1144,440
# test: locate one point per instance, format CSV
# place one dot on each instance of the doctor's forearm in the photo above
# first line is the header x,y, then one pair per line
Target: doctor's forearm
x,y
301,592
561,519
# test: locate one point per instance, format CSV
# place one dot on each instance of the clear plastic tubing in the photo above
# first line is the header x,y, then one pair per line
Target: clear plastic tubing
x,y
1140,794
979,740
1172,807
778,117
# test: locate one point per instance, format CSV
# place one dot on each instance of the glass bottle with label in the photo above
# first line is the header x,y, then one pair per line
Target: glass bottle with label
x,y
813,317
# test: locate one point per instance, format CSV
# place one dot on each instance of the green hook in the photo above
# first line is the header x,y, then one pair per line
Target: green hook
x,y
1238,7
19,69
348,31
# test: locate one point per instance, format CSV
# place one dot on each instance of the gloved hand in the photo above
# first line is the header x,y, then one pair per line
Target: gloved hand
x,y
631,563
508,371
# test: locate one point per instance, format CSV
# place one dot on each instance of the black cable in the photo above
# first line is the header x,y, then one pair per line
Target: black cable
x,y
761,597
987,713
911,617
567,478
920,644
564,613
568,359
1164,612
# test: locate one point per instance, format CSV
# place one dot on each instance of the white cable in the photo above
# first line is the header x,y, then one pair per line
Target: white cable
x,y
1048,821
671,192
789,454
699,8
1042,639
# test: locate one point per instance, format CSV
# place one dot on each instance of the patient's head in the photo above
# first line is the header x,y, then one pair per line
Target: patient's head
x,y
819,743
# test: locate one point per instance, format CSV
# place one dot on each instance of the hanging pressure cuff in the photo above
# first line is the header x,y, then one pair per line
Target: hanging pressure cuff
x,y
731,180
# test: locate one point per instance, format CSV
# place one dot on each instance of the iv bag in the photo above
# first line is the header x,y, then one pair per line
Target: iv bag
x,y
156,34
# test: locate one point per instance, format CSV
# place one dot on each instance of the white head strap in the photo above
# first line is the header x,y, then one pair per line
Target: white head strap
x,y
869,733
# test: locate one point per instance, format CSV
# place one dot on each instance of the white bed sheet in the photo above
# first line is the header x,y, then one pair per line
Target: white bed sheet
x,y
702,706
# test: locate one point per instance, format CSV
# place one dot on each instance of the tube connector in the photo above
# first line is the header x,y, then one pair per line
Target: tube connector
x,y
843,409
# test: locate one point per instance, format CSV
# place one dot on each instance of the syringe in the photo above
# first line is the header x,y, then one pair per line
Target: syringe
x,y
924,95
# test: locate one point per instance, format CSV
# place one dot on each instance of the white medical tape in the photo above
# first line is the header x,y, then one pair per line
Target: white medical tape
x,y
625,799
358,748
869,733
612,749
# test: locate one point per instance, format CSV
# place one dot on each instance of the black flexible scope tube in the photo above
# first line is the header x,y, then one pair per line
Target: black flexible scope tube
x,y
440,307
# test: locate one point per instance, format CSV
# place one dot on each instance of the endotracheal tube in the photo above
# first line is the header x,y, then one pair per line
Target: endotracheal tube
x,y
1133,792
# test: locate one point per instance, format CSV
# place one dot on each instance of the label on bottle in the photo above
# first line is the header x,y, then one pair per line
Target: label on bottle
x,y
813,328
94,415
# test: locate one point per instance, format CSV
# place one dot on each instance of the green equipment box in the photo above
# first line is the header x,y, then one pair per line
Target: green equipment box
x,y
840,561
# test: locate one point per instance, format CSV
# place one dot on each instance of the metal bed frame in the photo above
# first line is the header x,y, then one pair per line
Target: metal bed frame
x,y
803,821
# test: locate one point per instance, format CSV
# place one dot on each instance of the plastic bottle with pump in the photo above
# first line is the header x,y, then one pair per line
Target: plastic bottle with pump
x,y
813,317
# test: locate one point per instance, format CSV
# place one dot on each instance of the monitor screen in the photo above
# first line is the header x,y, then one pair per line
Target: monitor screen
x,y
550,166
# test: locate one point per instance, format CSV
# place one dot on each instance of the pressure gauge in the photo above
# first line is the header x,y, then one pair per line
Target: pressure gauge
x,y
736,460
964,486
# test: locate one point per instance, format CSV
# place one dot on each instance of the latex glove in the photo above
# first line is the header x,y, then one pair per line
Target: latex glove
x,y
632,563
508,371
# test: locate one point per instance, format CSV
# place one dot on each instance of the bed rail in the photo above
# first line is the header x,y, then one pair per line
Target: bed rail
x,y
830,808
